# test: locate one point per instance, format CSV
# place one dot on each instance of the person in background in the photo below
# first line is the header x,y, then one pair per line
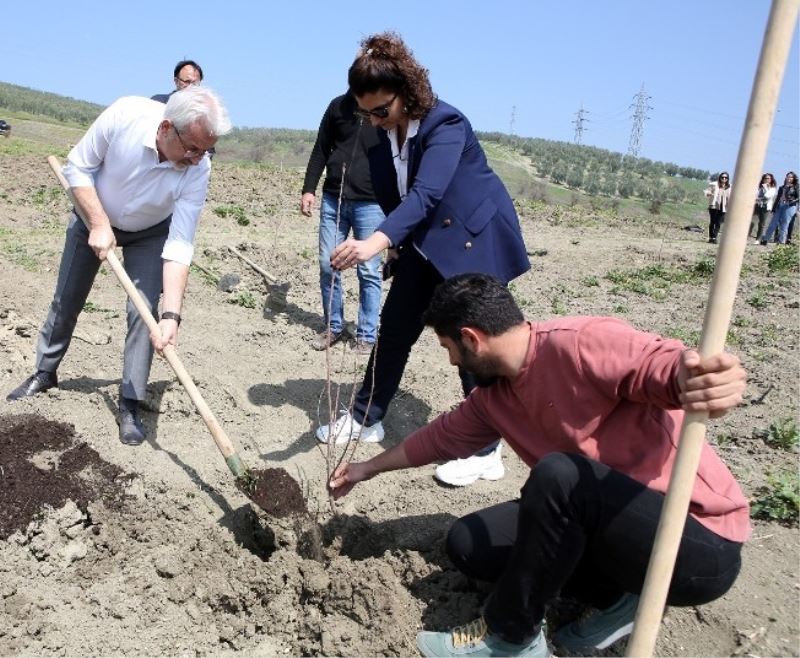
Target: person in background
x,y
341,150
187,72
765,200
718,193
447,213
785,210
594,408
140,177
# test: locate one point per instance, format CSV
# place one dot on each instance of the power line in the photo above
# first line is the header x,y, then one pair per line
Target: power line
x,y
729,116
641,106
580,118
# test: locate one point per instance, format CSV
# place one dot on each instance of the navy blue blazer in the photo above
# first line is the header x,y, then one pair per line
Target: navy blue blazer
x,y
457,211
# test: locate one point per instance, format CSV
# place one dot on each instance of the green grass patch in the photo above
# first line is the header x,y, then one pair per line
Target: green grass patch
x,y
243,298
758,300
236,212
784,258
782,434
45,195
779,499
655,281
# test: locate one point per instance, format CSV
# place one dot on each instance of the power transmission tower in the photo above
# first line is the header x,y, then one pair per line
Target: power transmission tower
x,y
580,118
640,107
513,119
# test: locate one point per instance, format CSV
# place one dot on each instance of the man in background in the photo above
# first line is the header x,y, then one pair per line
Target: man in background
x,y
187,73
341,150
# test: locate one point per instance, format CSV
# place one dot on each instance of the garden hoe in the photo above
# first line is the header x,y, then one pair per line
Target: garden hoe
x,y
276,292
257,485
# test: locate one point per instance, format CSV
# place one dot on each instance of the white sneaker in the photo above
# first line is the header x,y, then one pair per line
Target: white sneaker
x,y
461,472
345,427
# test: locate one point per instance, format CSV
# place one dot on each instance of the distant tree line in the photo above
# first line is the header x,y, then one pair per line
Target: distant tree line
x,y
276,146
42,103
600,172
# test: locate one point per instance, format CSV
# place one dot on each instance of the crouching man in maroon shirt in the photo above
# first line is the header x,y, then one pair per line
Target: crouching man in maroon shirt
x,y
594,407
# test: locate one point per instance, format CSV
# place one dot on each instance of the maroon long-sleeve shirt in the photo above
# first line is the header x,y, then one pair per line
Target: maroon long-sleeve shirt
x,y
598,388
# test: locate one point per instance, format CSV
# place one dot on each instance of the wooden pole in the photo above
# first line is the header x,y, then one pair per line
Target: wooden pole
x,y
749,164
224,444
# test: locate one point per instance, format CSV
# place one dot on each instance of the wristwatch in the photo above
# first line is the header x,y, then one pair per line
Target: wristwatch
x,y
169,315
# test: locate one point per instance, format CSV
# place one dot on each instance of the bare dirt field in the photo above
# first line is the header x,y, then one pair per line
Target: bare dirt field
x,y
156,551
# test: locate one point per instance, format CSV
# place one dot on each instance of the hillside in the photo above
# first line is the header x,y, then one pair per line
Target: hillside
x,y
532,168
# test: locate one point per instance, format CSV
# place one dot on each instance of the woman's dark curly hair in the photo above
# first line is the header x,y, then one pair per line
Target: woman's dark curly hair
x,y
385,62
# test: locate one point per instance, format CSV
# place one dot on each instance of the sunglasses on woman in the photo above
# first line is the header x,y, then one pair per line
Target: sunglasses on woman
x,y
380,112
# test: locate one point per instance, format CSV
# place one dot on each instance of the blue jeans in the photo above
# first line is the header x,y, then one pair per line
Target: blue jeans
x,y
363,217
780,222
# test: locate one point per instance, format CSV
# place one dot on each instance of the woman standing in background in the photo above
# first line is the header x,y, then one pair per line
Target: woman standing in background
x,y
765,200
785,209
718,193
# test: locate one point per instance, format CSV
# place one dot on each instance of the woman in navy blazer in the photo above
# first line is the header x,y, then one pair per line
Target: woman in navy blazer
x,y
447,213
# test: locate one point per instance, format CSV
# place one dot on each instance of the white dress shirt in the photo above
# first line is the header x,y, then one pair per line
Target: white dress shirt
x,y
118,157
400,155
400,160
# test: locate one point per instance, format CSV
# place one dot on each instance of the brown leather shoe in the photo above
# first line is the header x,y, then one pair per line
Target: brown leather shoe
x,y
363,347
38,382
325,339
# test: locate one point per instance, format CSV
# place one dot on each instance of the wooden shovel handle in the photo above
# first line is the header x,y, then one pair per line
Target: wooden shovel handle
x,y
170,354
752,150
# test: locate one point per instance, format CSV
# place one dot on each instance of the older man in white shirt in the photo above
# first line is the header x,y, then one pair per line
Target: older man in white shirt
x,y
139,176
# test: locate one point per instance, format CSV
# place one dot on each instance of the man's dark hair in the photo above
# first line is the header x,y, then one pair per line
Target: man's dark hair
x,y
187,62
472,300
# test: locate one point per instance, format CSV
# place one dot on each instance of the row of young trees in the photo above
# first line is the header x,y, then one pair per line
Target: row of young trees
x,y
61,108
599,171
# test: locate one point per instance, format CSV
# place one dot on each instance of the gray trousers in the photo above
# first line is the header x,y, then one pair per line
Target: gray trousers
x,y
141,251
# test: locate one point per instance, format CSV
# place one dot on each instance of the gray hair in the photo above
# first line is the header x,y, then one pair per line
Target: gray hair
x,y
196,103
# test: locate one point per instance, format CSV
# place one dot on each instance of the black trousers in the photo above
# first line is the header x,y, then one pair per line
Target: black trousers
x,y
716,218
413,284
583,530
763,216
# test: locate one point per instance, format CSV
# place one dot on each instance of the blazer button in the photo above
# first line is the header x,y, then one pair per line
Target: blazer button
x,y
447,222
468,245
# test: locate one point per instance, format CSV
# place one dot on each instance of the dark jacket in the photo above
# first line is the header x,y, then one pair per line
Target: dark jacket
x,y
341,140
457,210
791,195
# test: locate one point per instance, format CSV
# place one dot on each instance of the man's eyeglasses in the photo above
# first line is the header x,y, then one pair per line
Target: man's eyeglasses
x,y
380,112
191,152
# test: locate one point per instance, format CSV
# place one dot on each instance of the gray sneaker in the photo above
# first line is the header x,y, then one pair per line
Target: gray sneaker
x,y
475,640
599,628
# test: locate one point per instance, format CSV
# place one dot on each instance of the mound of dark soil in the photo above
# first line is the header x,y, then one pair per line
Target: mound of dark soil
x,y
42,463
275,491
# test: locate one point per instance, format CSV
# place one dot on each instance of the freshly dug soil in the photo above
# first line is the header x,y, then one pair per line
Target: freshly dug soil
x,y
274,491
42,463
